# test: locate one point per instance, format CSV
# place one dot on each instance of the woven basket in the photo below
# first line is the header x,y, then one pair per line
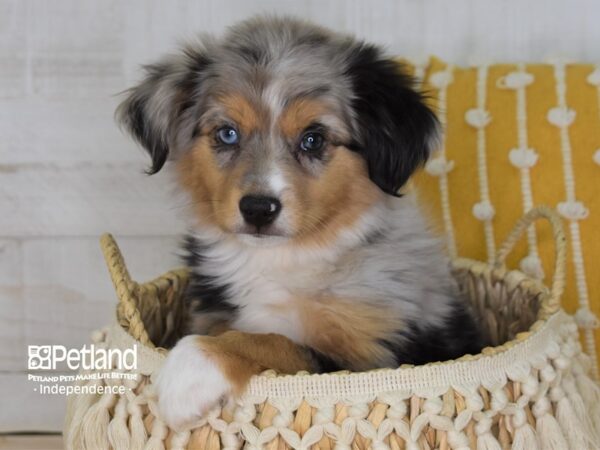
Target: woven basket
x,y
531,392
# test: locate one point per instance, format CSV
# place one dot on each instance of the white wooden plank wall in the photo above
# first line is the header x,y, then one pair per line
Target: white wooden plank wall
x,y
67,174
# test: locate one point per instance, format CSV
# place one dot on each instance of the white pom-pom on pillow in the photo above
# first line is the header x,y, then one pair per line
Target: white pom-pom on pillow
x,y
594,77
438,166
441,79
573,210
483,210
515,80
523,158
532,266
561,117
477,117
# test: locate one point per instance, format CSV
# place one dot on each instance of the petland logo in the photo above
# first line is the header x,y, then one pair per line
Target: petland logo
x,y
48,357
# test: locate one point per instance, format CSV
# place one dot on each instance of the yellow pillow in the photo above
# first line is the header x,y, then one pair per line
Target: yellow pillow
x,y
518,136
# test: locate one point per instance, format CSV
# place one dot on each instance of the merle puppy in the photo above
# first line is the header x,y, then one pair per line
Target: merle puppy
x,y
292,143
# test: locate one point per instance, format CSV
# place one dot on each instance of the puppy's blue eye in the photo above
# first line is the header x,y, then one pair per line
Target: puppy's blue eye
x,y
312,141
228,136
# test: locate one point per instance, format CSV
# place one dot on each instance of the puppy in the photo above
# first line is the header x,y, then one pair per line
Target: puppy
x,y
292,143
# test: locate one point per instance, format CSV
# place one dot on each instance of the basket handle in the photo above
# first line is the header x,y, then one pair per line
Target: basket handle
x,y
128,313
540,212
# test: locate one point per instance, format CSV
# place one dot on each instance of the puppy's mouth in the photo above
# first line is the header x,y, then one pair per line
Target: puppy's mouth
x,y
261,236
261,232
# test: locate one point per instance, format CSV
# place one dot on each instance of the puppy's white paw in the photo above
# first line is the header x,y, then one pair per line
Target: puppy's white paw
x,y
188,384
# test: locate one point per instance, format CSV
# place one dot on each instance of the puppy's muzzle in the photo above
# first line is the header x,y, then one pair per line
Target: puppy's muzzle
x,y
259,210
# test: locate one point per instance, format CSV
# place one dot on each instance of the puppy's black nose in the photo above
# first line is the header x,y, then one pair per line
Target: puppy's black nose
x,y
259,210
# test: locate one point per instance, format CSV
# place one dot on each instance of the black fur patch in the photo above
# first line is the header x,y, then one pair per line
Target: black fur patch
x,y
203,294
459,336
396,128
324,363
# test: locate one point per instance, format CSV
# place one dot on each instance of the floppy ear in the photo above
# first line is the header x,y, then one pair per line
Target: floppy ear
x,y
155,110
396,131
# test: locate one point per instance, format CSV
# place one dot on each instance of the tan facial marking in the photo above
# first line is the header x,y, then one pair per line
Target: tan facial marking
x,y
214,191
300,114
333,200
248,116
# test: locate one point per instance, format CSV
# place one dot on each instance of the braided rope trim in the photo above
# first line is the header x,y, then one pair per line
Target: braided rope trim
x,y
479,118
480,370
440,166
524,158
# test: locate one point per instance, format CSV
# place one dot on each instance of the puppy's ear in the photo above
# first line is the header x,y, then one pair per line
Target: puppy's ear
x,y
155,110
396,130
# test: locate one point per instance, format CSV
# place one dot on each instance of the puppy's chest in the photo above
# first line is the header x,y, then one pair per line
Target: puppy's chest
x,y
276,300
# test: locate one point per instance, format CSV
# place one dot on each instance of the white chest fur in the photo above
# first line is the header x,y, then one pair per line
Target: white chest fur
x,y
264,301
265,285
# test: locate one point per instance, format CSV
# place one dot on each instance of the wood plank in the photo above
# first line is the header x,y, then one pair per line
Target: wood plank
x,y
13,76
11,305
25,410
31,442
64,133
87,200
76,58
10,262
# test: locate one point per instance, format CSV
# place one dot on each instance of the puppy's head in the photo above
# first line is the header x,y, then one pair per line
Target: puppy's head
x,y
281,128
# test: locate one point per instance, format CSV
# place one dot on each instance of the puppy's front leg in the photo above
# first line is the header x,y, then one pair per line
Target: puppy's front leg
x,y
200,370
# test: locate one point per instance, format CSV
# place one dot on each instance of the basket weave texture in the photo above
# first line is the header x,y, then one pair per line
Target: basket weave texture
x,y
532,391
